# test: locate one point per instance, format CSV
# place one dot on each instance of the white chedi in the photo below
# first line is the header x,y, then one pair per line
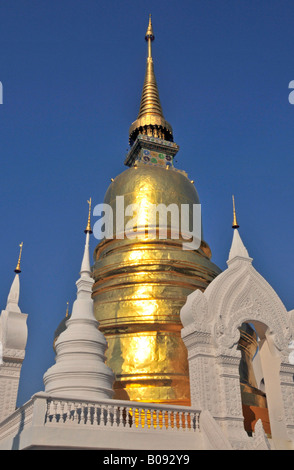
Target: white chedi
x,y
13,340
80,370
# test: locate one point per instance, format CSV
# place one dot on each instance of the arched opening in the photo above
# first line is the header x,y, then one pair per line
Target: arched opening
x,y
252,382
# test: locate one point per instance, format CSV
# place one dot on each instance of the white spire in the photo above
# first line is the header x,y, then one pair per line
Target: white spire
x,y
85,266
80,370
238,249
13,296
13,340
83,305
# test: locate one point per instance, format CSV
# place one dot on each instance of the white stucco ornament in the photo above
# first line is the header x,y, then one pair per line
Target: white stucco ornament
x,y
291,354
211,321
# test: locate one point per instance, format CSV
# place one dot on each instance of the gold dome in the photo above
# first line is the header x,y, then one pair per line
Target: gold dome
x,y
144,184
140,287
174,186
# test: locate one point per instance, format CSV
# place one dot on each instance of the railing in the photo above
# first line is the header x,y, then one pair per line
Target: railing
x,y
128,415
47,411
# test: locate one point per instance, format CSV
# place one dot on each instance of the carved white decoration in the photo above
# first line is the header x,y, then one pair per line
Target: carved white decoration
x,y
210,331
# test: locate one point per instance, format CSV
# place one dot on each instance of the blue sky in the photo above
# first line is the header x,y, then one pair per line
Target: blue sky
x,y
72,74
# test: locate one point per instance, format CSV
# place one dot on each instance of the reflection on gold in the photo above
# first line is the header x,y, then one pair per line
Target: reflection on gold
x,y
143,210
158,419
140,350
135,255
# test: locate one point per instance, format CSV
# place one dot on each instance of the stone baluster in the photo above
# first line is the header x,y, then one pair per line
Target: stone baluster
x,y
54,411
50,411
152,425
91,411
103,416
140,413
169,420
129,418
98,415
185,421
175,416
61,411
164,421
109,414
195,421
119,416
155,420
68,416
74,413
83,413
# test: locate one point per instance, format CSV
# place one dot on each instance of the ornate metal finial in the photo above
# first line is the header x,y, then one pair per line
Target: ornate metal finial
x,y
17,269
235,223
66,313
149,33
88,228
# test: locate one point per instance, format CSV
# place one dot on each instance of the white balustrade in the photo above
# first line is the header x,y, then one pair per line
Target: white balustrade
x,y
130,415
48,411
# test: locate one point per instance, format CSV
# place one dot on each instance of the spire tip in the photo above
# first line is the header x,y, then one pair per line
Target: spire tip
x,y
149,33
235,223
88,228
17,269
66,313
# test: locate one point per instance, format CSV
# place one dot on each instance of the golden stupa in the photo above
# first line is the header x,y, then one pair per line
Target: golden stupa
x,y
143,279
141,282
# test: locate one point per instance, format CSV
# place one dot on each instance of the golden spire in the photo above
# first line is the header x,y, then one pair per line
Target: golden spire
x,y
150,102
235,223
149,32
66,313
150,120
17,269
88,228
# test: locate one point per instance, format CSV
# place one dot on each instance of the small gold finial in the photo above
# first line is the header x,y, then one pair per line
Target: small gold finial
x,y
66,313
88,228
17,269
235,223
149,33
